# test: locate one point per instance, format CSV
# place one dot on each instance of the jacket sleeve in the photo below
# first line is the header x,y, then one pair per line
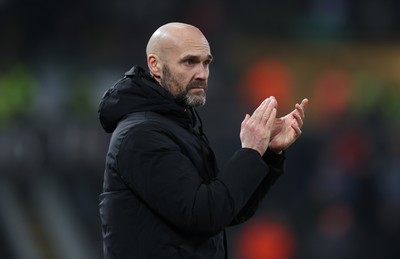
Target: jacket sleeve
x,y
154,167
275,163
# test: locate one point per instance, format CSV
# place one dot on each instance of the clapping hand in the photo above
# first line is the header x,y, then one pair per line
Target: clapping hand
x,y
287,129
256,129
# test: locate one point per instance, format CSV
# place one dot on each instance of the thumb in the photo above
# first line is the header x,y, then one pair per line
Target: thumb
x,y
246,119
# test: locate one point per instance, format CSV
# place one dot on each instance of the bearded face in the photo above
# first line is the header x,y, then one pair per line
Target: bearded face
x,y
192,93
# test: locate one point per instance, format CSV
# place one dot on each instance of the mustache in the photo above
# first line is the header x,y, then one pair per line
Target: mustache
x,y
197,84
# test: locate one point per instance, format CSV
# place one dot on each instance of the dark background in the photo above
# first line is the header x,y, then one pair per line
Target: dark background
x,y
340,196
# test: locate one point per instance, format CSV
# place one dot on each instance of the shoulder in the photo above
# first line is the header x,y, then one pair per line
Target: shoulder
x,y
149,132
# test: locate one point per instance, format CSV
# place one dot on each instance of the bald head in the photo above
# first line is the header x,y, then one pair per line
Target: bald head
x,y
171,36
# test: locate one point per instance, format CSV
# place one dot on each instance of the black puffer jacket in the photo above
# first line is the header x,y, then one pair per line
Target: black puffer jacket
x,y
163,195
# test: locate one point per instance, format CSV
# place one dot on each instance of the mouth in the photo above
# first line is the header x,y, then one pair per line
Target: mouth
x,y
197,87
199,90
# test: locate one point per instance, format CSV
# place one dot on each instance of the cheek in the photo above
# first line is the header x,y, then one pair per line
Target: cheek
x,y
177,83
182,79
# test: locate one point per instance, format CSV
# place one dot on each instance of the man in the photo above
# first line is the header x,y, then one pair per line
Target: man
x,y
164,196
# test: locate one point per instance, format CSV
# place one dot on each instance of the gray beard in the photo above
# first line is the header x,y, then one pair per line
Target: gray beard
x,y
182,97
189,100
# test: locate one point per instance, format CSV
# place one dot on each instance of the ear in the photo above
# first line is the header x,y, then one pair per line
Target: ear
x,y
154,64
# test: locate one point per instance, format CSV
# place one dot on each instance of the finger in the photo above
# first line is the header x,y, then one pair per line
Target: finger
x,y
246,119
257,115
299,111
271,118
297,130
268,111
304,103
298,118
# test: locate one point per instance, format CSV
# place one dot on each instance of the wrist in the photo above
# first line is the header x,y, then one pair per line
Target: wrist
x,y
274,159
276,151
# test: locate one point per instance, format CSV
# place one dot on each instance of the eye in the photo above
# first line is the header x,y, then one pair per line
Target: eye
x,y
207,62
190,61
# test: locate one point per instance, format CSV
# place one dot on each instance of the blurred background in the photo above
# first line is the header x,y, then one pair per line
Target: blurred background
x,y
340,195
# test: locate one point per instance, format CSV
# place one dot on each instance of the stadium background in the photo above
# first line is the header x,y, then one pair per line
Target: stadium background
x,y
340,196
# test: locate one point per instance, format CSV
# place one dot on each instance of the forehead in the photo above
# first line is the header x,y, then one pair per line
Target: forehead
x,y
196,45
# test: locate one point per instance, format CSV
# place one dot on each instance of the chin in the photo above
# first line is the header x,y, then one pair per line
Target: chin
x,y
196,101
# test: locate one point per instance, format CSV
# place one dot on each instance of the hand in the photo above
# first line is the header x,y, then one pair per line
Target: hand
x,y
287,129
256,129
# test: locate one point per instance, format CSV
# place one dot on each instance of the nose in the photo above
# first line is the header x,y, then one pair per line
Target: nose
x,y
202,72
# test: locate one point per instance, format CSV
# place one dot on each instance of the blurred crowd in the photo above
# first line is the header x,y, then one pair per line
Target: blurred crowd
x,y
340,195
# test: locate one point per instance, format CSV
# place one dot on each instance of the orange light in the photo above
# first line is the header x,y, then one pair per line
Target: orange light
x,y
267,78
266,239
